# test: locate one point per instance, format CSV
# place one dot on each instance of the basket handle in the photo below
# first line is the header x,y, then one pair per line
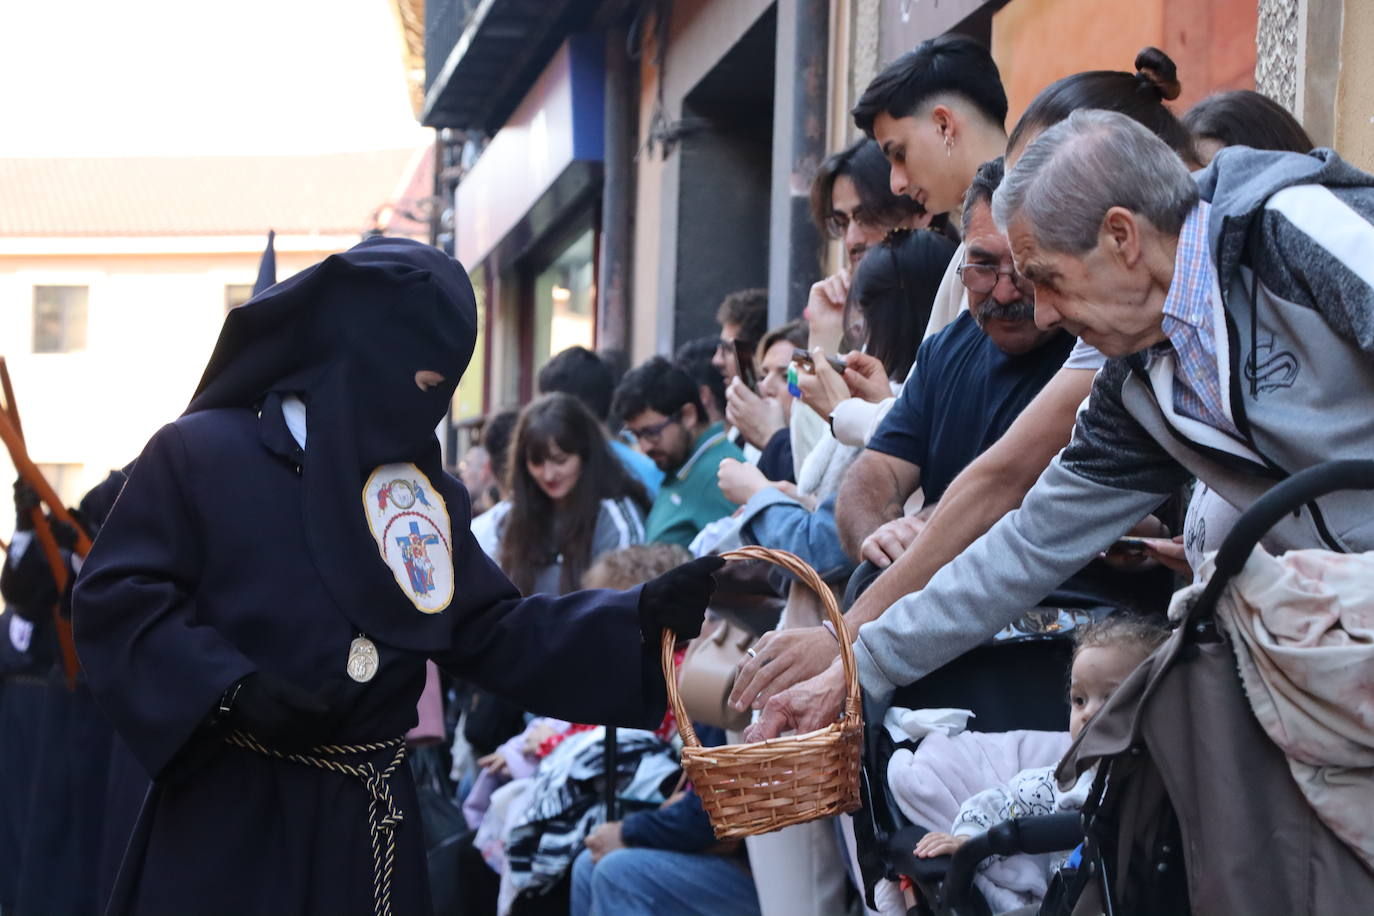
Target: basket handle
x,y
795,565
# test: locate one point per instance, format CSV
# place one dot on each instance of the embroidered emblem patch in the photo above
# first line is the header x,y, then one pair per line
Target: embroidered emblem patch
x,y
410,523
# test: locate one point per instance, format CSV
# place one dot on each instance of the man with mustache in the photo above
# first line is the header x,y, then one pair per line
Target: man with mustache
x,y
971,380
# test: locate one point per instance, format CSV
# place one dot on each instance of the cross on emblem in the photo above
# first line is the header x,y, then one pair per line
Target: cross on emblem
x,y
415,553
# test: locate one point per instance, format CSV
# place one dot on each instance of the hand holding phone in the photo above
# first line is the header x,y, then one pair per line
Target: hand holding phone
x,y
744,365
809,363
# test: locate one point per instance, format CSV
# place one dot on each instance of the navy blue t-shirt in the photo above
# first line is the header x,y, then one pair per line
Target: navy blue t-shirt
x,y
961,398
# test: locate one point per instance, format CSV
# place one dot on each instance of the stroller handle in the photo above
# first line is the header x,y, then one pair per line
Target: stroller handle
x,y
1288,496
1037,834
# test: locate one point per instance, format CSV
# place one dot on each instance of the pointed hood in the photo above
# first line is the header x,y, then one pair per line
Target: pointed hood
x,y
348,336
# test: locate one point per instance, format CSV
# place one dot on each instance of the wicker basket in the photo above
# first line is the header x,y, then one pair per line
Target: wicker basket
x,y
748,789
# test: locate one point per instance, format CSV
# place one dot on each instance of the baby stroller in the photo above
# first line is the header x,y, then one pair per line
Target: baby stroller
x,y
1010,684
1194,808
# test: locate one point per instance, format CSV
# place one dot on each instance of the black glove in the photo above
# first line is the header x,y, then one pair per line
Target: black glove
x,y
63,534
677,599
25,501
280,714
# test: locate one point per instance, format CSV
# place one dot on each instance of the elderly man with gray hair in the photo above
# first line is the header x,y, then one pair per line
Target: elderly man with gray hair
x,y
1238,308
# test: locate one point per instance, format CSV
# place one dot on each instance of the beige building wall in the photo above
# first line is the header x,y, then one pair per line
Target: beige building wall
x,y
1354,118
854,61
152,320
1314,58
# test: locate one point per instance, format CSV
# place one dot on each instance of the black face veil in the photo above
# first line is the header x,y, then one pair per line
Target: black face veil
x,y
349,336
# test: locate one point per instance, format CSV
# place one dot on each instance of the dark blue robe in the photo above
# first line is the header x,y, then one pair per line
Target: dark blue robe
x,y
66,745
23,694
202,575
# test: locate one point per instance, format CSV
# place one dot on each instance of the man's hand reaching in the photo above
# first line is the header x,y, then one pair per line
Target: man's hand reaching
x,y
781,659
806,707
890,541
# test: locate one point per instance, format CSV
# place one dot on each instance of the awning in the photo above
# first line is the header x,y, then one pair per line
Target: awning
x,y
482,56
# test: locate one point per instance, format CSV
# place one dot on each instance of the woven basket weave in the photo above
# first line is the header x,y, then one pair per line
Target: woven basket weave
x,y
748,789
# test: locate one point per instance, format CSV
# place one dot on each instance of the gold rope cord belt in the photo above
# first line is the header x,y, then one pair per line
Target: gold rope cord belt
x,y
382,814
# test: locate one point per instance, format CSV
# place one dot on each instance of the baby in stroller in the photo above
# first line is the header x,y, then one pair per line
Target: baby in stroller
x,y
1105,652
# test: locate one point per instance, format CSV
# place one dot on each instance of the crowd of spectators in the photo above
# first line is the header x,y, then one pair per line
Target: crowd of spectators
x,y
1038,342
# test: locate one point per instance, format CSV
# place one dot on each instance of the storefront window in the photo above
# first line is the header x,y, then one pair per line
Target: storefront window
x,y
467,401
565,300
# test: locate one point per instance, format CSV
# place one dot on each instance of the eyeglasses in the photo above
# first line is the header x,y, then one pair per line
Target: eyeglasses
x,y
837,222
983,278
651,433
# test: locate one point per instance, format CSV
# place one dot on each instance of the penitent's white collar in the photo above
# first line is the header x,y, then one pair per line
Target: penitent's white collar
x,y
293,412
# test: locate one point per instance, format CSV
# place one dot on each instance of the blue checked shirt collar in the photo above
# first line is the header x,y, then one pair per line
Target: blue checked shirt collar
x,y
1190,294
1189,324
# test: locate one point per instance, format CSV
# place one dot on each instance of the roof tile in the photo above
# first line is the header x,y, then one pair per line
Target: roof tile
x,y
201,196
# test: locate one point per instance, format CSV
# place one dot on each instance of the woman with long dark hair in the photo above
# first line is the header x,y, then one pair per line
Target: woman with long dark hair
x,y
890,301
571,499
892,294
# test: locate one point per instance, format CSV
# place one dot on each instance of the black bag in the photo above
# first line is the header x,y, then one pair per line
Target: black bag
x,y
444,826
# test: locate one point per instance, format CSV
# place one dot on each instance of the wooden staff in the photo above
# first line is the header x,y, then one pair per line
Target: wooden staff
x,y
34,478
11,405
11,433
71,665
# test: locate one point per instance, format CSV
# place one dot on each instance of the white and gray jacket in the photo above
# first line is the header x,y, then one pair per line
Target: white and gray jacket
x,y
619,524
1293,250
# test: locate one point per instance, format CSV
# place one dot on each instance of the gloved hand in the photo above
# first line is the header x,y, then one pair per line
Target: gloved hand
x,y
677,599
282,715
63,534
25,501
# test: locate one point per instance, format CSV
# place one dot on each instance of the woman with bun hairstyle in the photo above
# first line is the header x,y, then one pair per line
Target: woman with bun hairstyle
x,y
1243,117
1140,96
571,499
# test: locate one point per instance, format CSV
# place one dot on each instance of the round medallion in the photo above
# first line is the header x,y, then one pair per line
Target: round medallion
x,y
362,660
402,493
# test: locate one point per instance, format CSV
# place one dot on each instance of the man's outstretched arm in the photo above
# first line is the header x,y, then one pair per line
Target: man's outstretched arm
x,y
993,485
1111,475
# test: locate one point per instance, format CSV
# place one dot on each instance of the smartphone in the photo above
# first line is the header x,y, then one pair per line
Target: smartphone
x,y
801,356
744,363
1128,545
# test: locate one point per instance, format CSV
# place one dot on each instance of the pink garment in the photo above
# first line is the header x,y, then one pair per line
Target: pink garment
x,y
430,729
1302,628
520,760
931,783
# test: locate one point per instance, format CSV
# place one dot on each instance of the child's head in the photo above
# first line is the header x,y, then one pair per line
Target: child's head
x,y
631,566
1104,653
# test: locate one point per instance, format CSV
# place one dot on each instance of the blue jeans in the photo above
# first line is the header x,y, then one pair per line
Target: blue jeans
x,y
657,882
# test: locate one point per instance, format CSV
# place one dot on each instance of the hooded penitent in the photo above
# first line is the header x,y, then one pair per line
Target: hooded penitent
x,y
348,336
